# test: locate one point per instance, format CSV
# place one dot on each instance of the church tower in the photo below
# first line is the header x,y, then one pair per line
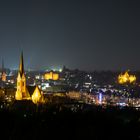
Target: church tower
x,y
22,92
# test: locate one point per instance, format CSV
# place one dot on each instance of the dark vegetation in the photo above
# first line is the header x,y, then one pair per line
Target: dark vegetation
x,y
24,120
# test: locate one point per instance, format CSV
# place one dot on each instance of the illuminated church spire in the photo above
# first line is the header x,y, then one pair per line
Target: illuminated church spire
x,y
22,92
21,66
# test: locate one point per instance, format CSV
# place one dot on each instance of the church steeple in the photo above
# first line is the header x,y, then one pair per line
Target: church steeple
x,y
22,92
21,66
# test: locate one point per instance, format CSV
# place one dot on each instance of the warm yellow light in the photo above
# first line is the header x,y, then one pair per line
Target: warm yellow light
x,y
126,78
18,95
51,76
37,96
132,78
55,76
74,95
4,76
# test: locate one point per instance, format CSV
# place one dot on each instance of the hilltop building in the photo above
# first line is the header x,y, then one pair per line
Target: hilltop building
x,y
126,78
51,76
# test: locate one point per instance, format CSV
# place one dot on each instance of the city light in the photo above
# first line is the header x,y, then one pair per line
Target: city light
x,y
126,78
37,97
60,70
100,98
51,76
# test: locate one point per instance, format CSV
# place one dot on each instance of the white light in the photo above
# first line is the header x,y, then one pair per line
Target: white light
x,y
60,70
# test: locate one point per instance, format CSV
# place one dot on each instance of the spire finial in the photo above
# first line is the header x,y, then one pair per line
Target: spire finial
x,y
21,66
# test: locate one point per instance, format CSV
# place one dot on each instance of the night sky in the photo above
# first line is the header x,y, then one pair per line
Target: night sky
x,y
84,34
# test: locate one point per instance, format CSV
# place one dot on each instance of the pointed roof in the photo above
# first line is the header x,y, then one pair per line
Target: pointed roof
x,y
36,95
37,91
21,65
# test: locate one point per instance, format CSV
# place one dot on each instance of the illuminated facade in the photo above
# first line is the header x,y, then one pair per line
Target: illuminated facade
x,y
3,76
51,76
74,95
22,92
37,96
126,78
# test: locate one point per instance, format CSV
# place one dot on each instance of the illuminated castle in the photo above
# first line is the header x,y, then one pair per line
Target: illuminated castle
x,y
126,78
51,76
22,92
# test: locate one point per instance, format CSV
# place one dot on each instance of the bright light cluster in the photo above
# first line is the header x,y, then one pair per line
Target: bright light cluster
x,y
126,78
51,76
37,97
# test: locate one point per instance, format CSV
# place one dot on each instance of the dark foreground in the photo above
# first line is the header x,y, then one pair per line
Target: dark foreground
x,y
96,123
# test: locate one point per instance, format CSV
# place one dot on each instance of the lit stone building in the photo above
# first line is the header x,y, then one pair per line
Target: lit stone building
x,y
22,92
37,96
51,76
126,78
3,76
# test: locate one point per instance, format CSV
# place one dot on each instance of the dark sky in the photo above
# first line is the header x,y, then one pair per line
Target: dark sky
x,y
84,34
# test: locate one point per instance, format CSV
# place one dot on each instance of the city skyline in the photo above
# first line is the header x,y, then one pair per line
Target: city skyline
x,y
88,35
